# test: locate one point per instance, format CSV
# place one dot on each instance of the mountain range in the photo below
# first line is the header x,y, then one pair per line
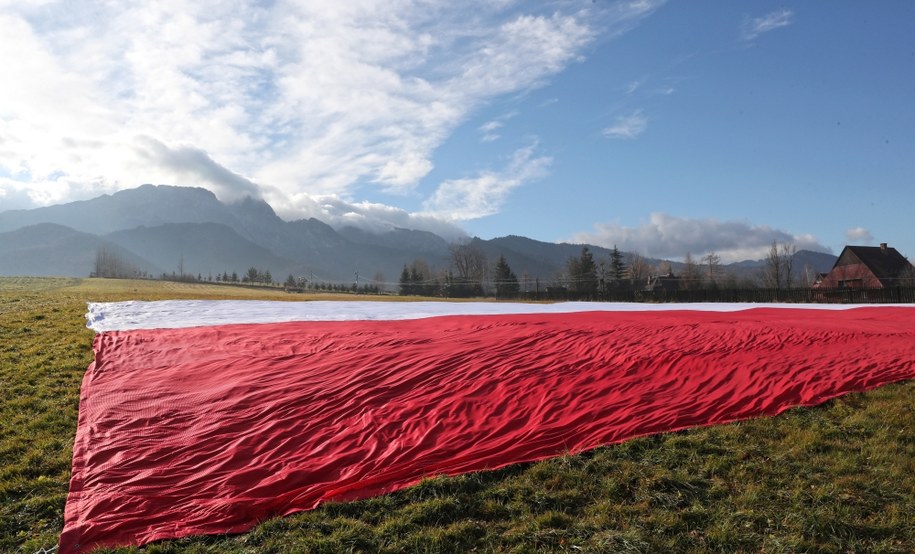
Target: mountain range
x,y
169,229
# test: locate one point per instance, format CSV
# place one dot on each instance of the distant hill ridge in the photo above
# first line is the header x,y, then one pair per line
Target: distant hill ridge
x,y
164,229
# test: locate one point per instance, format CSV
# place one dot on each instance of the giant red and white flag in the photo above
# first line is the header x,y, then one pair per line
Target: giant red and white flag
x,y
192,424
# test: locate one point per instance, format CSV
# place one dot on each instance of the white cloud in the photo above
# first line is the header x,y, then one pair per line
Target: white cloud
x,y
14,196
295,98
489,128
192,163
370,216
548,102
483,195
522,53
633,86
859,234
627,126
667,236
752,28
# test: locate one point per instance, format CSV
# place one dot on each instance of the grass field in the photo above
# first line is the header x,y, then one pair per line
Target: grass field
x,y
836,478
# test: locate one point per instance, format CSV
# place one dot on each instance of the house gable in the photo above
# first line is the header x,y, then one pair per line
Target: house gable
x,y
867,267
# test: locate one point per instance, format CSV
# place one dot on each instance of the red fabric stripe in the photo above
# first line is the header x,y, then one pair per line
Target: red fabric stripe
x,y
212,429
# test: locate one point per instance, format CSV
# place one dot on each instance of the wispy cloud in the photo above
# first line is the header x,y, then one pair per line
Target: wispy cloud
x,y
14,195
642,86
627,126
372,216
299,99
859,234
752,28
489,128
632,86
667,236
197,166
548,102
483,195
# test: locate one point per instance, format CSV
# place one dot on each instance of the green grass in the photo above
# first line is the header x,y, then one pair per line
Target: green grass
x,y
836,478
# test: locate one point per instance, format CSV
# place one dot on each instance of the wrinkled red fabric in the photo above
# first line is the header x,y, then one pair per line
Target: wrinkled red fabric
x,y
213,429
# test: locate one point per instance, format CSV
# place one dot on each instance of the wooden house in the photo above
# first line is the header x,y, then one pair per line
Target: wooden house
x,y
663,283
868,267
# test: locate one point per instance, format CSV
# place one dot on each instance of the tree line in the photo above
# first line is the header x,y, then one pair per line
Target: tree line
x,y
471,274
109,264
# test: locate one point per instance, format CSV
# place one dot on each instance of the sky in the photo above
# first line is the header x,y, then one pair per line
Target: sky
x,y
663,128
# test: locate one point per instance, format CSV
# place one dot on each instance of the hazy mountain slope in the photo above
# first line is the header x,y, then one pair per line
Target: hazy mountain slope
x,y
49,249
816,261
420,242
202,248
545,259
151,221
305,247
547,253
542,267
147,205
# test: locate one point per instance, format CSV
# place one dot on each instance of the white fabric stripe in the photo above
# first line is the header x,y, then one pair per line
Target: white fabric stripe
x,y
113,316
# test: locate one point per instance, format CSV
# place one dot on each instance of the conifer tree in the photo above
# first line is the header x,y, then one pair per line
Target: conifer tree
x,y
586,279
506,282
406,285
617,266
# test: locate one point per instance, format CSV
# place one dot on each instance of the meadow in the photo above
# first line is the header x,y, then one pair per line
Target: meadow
x,y
839,477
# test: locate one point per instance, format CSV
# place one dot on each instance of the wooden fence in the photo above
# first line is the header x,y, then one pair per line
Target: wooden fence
x,y
891,295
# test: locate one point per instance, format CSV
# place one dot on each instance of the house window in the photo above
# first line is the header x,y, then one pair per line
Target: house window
x,y
851,284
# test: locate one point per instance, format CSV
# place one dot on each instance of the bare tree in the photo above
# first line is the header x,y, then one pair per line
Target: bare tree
x,y
379,280
809,276
110,264
772,270
639,270
469,261
691,277
712,268
525,281
787,252
604,281
421,267
778,266
728,280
